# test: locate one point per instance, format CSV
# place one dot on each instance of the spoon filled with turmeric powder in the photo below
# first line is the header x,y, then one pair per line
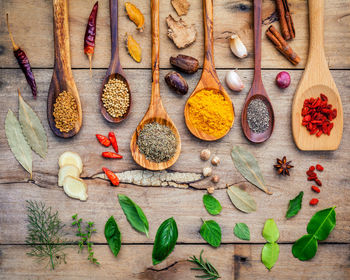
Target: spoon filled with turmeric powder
x,y
209,112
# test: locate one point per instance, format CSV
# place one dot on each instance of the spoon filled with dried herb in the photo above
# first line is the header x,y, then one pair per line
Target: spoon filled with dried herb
x,y
156,142
115,96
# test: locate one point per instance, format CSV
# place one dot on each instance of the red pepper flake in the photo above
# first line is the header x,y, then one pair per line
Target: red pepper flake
x,y
113,140
319,167
103,140
317,115
313,201
111,176
111,155
316,189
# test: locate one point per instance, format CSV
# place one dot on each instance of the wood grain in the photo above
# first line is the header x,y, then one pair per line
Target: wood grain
x,y
316,79
35,35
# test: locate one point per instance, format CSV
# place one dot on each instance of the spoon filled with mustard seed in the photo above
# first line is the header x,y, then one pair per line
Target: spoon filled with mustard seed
x,y
115,95
156,143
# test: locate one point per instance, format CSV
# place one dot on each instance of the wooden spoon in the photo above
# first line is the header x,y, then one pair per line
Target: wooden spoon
x,y
156,111
209,79
62,78
316,79
257,91
115,69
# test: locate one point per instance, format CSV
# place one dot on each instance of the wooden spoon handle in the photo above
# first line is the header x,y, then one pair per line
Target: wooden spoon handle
x,y
155,52
257,39
316,22
115,62
208,36
61,36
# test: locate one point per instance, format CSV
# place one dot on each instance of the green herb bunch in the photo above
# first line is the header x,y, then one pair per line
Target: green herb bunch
x,y
85,238
205,266
45,233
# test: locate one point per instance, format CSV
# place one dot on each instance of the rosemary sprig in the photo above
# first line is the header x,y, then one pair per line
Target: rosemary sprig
x,y
208,269
45,235
85,238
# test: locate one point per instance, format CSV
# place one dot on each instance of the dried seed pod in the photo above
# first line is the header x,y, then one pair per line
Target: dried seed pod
x,y
176,82
185,63
135,15
237,46
134,48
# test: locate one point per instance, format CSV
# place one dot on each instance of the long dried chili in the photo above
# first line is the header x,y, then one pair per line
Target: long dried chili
x,y
23,61
113,140
111,176
90,34
103,140
111,155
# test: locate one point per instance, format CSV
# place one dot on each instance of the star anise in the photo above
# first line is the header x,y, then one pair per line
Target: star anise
x,y
283,166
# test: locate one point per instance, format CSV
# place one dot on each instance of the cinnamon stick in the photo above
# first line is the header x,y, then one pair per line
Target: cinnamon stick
x,y
286,22
281,44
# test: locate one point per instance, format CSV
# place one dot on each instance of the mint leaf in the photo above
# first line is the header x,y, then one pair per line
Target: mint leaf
x,y
294,205
241,231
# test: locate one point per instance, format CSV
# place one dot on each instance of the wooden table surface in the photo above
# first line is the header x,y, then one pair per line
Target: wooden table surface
x,y
31,23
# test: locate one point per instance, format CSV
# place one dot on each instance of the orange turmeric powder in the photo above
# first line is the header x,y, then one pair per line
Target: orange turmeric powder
x,y
210,112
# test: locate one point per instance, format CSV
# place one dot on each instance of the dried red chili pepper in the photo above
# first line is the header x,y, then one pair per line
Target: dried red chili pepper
x,y
111,176
113,140
313,201
319,167
103,140
111,155
315,189
90,34
23,62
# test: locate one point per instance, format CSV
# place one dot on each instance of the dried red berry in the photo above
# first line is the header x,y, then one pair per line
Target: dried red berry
x,y
318,182
315,189
319,167
313,201
312,168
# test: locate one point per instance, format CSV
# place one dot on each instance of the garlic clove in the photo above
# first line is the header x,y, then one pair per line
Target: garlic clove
x,y
233,81
237,46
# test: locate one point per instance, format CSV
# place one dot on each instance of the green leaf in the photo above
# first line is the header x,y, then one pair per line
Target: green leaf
x,y
305,248
241,199
113,236
165,241
18,142
211,232
269,254
322,223
294,205
32,128
241,230
134,214
212,205
270,231
248,166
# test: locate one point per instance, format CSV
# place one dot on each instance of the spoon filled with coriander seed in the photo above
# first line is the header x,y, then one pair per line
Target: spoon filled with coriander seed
x,y
156,143
115,95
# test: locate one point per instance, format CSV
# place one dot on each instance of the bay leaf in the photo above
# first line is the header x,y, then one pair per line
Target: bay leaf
x,y
32,128
248,166
17,142
241,199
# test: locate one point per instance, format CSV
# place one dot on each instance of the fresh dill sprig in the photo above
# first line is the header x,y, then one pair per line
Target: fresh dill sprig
x,y
85,238
45,235
208,269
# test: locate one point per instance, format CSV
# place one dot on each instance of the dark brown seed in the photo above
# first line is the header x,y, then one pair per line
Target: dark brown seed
x,y
185,63
176,82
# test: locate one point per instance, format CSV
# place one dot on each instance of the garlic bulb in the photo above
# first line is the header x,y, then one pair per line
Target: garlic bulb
x,y
237,46
233,81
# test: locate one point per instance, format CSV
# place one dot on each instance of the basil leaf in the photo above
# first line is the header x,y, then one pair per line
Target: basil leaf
x,y
165,241
134,214
211,232
113,236
248,166
322,223
269,254
241,199
212,205
241,230
294,205
270,231
305,248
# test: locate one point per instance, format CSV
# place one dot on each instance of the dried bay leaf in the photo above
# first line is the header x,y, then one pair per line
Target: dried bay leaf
x,y
32,128
241,199
17,142
248,166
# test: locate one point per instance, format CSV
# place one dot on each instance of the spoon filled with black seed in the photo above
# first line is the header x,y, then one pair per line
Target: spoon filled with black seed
x,y
257,116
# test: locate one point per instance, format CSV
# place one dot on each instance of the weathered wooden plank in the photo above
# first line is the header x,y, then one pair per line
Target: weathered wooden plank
x,y
134,262
34,33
